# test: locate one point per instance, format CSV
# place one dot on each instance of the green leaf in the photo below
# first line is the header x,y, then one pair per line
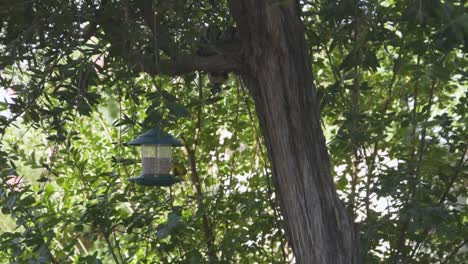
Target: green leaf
x,y
371,61
349,61
3,106
42,179
168,97
178,110
49,188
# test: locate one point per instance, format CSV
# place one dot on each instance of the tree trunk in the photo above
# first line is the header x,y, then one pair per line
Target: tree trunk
x,y
277,71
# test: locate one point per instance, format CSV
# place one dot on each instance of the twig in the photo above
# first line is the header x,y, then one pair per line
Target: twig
x,y
207,227
454,252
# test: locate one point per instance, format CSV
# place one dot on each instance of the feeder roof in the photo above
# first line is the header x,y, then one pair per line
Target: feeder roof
x,y
155,137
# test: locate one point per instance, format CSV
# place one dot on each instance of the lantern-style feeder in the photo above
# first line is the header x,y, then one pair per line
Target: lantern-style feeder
x,y
156,152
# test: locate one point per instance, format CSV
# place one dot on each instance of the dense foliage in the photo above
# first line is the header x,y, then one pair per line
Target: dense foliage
x,y
392,78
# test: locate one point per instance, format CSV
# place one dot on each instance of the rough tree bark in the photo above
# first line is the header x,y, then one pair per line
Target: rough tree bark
x,y
277,71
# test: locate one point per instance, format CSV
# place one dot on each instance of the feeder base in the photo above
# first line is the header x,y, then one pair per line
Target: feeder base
x,y
155,180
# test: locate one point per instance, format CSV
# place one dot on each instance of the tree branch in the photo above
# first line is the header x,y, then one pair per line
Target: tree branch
x,y
454,252
186,63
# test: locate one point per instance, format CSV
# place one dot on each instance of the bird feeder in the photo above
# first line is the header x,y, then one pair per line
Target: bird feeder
x,y
156,152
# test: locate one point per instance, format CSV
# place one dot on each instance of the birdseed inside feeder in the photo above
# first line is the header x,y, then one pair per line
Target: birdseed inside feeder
x,y
156,152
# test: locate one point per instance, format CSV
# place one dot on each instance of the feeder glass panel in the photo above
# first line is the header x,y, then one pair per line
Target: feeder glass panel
x,y
156,159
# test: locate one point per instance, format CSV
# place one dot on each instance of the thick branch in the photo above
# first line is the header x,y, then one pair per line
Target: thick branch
x,y
184,64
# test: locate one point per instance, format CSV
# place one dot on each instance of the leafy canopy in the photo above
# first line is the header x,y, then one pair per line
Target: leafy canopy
x,y
89,76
